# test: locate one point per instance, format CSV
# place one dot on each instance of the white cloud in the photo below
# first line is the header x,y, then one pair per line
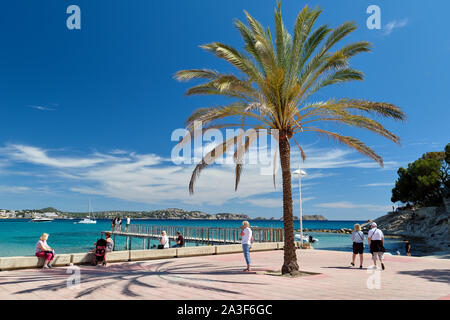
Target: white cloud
x,y
151,179
382,184
272,202
39,156
350,205
41,108
395,24
13,189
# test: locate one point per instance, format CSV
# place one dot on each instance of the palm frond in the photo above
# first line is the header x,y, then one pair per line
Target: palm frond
x,y
209,158
350,142
338,34
186,75
241,150
235,58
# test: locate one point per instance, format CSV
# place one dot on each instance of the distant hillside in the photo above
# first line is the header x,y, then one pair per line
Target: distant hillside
x,y
313,217
170,213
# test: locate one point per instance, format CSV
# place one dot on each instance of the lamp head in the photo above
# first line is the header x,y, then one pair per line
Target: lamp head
x,y
299,171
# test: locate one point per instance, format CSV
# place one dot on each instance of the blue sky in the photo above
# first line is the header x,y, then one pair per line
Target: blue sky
x,y
89,113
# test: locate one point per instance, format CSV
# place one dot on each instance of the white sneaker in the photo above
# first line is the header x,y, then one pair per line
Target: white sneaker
x,y
45,267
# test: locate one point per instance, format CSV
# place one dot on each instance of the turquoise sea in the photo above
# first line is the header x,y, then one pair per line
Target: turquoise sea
x,y
18,236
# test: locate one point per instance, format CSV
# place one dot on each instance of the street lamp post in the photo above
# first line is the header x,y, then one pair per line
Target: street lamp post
x,y
300,174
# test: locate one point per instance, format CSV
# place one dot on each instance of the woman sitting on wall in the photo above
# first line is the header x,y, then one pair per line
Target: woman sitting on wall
x,y
43,250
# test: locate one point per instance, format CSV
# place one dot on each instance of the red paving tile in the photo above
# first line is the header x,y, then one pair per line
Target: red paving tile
x,y
221,277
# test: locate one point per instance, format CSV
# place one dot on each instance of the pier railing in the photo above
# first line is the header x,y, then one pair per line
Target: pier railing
x,y
213,235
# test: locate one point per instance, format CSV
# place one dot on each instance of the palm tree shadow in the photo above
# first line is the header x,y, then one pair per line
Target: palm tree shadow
x,y
434,275
134,275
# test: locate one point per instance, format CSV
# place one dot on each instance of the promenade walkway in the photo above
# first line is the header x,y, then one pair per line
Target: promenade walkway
x,y
221,277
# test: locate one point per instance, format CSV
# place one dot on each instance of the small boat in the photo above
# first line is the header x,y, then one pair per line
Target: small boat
x,y
41,219
88,220
306,238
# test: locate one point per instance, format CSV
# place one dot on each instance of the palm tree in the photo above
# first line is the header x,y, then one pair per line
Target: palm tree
x,y
275,80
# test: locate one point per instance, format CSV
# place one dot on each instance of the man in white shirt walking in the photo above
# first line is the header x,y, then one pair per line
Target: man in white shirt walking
x,y
376,244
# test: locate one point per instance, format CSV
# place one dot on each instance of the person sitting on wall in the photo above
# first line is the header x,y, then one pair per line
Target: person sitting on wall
x,y
163,241
43,250
180,241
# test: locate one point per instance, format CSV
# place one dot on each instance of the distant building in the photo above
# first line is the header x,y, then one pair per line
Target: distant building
x,y
50,214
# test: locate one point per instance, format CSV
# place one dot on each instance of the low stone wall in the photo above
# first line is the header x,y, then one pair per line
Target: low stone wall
x,y
13,263
138,255
196,251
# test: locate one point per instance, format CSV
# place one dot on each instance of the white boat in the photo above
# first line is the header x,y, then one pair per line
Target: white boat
x,y
305,238
41,219
88,220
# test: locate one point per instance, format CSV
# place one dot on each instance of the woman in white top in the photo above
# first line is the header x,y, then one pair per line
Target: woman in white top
x,y
247,240
44,251
164,241
358,245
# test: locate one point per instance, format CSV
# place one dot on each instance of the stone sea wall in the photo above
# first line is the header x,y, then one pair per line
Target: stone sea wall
x,y
61,260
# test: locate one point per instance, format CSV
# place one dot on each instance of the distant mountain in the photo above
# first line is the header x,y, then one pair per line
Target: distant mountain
x,y
170,213
314,217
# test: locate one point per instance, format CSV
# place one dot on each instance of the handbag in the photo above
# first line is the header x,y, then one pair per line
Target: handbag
x,y
160,246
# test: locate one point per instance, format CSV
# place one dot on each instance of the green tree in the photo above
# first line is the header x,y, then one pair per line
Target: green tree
x,y
425,181
277,75
446,171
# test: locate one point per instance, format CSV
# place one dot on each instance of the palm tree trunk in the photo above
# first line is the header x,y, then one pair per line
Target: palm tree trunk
x,y
290,257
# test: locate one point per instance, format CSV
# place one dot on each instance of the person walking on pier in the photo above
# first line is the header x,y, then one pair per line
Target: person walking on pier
x,y
247,240
128,224
376,244
118,223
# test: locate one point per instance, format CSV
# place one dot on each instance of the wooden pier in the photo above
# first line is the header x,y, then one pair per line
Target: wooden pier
x,y
199,235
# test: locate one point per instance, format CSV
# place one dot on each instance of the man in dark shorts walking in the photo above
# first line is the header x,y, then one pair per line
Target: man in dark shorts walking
x,y
376,244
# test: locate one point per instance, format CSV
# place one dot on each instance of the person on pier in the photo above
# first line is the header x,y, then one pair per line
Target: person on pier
x,y
163,241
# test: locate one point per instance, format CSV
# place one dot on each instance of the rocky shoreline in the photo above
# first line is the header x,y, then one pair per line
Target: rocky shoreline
x,y
427,226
